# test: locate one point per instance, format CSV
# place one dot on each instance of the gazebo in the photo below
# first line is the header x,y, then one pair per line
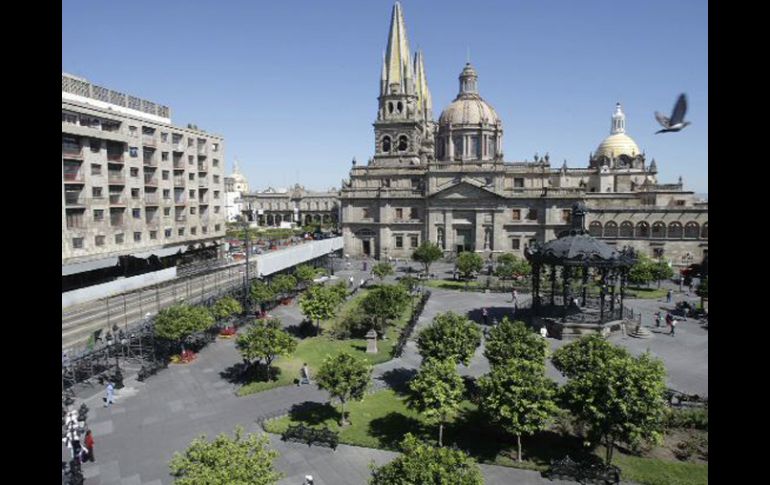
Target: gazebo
x,y
577,257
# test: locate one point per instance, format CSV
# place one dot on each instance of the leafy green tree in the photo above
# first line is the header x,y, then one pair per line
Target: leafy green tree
x,y
468,264
283,284
381,270
384,303
265,341
225,308
509,266
427,253
409,283
261,292
703,290
449,336
437,391
661,270
427,465
620,397
319,303
641,272
513,340
226,461
180,321
345,377
305,274
519,396
340,290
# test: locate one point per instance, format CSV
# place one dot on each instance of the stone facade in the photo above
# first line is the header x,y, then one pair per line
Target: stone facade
x,y
447,182
298,206
131,181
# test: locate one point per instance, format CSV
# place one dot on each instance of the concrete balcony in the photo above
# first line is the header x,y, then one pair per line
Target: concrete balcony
x,y
149,140
117,199
182,219
203,183
72,151
76,177
151,199
203,167
180,200
73,199
178,181
116,178
179,163
203,150
149,161
115,157
153,222
151,181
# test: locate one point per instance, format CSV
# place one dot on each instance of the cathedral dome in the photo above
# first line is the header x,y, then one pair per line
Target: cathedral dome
x,y
468,108
618,143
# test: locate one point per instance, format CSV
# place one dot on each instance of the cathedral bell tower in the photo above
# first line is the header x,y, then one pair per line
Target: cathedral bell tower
x,y
404,128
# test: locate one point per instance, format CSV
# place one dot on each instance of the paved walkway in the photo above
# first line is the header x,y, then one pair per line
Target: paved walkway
x,y
138,435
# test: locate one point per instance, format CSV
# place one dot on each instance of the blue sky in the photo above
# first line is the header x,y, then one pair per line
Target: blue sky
x,y
292,85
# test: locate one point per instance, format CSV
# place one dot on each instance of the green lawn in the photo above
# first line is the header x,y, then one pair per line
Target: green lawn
x,y
314,350
451,284
647,293
382,419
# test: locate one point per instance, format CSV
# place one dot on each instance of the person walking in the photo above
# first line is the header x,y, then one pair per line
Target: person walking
x,y
351,280
89,446
108,400
305,375
669,296
669,319
515,298
657,320
673,327
485,315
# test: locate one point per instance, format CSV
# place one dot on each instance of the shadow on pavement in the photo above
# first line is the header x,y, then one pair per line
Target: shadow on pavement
x,y
241,373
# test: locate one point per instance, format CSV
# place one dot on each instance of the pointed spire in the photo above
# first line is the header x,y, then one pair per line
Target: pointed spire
x,y
398,58
653,167
424,100
383,75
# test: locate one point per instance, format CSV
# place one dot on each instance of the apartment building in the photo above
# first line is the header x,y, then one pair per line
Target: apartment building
x,y
133,183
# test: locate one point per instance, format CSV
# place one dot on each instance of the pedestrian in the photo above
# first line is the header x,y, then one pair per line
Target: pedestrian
x,y
669,295
657,319
362,282
673,327
351,280
108,400
669,319
485,315
305,374
89,446
515,298
543,332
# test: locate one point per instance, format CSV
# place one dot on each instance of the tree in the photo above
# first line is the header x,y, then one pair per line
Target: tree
x,y
319,303
449,336
620,397
340,290
661,270
469,263
344,377
427,465
265,341
305,274
409,283
427,253
641,272
262,293
703,290
225,308
513,340
226,461
509,267
179,321
437,391
283,284
381,270
383,303
519,396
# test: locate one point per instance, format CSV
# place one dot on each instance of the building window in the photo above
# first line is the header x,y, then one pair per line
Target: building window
x,y
680,202
458,146
133,131
515,243
164,156
475,147
566,215
386,144
611,229
626,230
134,172
164,175
399,213
216,179
191,177
118,238
167,233
136,213
403,143
166,194
69,118
595,229
190,160
96,145
134,193
75,219
657,252
153,234
532,242
643,230
96,192
413,213
137,237
193,231
691,230
386,183
96,169
180,231
190,142
133,151
399,242
215,162
516,214
217,226
205,230
192,194
98,215
215,147
167,211
532,216
415,239
192,210
216,209
216,194
366,213
518,183
99,240
658,230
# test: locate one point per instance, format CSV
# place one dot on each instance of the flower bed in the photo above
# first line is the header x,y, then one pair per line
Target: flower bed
x,y
185,357
228,332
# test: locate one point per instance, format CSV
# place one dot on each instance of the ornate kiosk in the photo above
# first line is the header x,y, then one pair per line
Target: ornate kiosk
x,y
574,263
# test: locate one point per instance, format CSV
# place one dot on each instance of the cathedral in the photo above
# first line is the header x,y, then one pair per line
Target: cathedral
x,y
447,181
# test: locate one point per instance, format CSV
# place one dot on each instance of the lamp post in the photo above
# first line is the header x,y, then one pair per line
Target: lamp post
x,y
246,238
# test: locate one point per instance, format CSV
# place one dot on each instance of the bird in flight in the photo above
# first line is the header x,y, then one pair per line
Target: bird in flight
x,y
676,122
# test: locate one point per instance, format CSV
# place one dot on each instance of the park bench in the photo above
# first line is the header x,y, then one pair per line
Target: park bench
x,y
584,473
312,436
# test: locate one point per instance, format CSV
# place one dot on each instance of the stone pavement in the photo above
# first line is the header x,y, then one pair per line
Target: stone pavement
x,y
137,436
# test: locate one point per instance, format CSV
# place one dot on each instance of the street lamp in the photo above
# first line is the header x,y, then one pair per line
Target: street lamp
x,y
246,238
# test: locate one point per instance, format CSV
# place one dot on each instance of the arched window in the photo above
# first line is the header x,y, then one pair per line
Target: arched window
x,y
626,230
659,230
704,231
643,230
440,237
403,143
691,230
308,219
595,229
400,107
390,107
386,144
278,219
611,229
675,230
458,146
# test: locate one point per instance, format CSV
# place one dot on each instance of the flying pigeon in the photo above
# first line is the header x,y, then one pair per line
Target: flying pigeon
x,y
676,123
